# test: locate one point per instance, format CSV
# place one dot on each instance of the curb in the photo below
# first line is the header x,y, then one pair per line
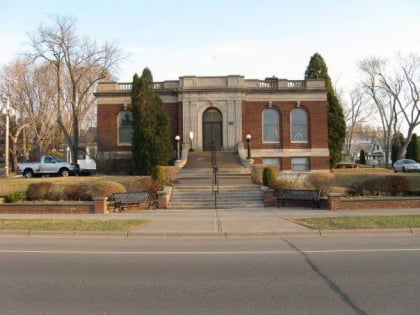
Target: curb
x,y
219,235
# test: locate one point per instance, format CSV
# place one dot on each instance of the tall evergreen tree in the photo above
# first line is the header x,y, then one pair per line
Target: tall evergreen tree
x,y
151,143
413,149
317,69
396,143
362,157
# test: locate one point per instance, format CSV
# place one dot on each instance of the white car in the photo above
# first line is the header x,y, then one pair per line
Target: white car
x,y
406,165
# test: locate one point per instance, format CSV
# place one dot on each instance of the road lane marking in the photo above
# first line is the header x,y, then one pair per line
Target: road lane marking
x,y
280,252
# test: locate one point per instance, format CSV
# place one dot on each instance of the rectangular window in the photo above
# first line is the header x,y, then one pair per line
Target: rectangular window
x,y
300,164
271,161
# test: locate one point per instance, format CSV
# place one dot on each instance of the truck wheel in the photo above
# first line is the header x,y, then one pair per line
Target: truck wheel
x,y
64,172
28,174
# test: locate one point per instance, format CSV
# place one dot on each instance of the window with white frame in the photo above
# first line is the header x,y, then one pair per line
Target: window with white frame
x,y
271,125
125,128
271,161
300,164
299,125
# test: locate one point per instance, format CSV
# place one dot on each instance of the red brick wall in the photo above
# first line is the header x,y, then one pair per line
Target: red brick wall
x,y
317,124
339,203
85,207
107,126
317,129
107,116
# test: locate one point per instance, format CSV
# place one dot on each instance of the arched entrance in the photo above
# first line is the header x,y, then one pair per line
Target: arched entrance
x,y
212,129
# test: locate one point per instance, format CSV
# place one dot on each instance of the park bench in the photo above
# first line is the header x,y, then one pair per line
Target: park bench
x,y
123,200
299,195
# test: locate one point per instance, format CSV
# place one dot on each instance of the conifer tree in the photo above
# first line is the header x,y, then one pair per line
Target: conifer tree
x,y
151,143
317,69
413,149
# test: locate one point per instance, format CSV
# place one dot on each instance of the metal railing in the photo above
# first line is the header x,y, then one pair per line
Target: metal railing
x,y
215,179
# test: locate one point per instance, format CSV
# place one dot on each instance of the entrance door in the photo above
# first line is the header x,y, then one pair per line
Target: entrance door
x,y
212,130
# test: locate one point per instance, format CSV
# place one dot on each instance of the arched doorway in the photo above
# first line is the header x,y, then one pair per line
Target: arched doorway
x,y
212,129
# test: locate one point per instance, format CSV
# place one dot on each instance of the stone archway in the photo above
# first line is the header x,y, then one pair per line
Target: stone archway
x,y
212,129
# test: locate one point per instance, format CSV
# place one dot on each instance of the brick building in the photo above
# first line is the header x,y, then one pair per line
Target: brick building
x,y
286,120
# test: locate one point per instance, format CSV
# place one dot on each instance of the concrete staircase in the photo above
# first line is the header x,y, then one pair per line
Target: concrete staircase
x,y
194,188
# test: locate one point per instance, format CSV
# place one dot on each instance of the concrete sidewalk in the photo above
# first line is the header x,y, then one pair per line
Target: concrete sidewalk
x,y
218,223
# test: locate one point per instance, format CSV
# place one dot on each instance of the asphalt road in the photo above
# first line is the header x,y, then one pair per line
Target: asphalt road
x,y
337,275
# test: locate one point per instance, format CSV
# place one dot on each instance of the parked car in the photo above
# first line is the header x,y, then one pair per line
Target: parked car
x,y
406,165
49,165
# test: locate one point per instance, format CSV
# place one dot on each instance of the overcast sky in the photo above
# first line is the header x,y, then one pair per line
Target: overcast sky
x,y
254,38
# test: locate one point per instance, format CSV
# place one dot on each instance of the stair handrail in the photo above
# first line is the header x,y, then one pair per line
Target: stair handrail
x,y
215,185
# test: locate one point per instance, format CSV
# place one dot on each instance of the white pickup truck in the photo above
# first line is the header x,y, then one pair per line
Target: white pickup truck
x,y
49,165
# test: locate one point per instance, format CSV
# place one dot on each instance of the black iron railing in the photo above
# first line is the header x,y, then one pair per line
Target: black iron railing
x,y
215,179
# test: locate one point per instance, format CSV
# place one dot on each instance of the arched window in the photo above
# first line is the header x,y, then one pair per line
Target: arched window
x,y
125,128
271,125
299,124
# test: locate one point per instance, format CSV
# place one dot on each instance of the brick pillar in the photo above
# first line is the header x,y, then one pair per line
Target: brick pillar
x,y
162,199
334,200
268,197
100,205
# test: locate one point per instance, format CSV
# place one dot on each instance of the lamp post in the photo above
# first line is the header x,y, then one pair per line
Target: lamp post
x,y
178,156
248,139
191,140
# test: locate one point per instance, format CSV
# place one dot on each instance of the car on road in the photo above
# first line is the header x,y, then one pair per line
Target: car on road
x,y
406,165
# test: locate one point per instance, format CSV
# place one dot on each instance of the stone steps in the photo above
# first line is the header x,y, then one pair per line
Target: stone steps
x,y
203,159
194,189
201,197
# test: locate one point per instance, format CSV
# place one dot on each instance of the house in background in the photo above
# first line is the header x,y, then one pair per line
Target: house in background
x,y
374,150
285,120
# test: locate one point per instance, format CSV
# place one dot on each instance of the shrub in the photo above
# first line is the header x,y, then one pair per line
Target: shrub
x,y
158,175
76,192
269,177
382,186
55,194
106,189
397,185
257,172
321,181
150,184
171,173
15,197
374,186
355,189
39,191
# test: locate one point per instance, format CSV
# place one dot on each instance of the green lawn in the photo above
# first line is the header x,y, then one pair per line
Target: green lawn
x,y
368,222
69,225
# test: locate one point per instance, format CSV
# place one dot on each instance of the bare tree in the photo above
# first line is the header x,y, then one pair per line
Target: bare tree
x,y
408,101
394,89
386,105
30,91
356,113
79,64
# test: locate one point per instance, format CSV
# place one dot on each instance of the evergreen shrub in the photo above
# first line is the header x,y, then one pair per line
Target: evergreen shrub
x,y
158,175
269,176
15,197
